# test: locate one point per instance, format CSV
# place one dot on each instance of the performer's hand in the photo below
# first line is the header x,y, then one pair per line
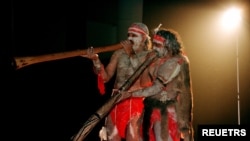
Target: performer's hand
x,y
186,136
185,129
90,54
127,45
124,95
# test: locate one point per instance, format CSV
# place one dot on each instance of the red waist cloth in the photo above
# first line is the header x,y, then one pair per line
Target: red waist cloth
x,y
124,111
172,125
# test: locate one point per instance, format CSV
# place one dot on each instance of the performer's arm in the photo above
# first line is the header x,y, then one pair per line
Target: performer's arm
x,y
149,91
110,69
108,72
168,72
105,73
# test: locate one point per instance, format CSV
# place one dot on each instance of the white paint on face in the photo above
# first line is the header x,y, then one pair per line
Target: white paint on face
x,y
159,47
137,40
161,51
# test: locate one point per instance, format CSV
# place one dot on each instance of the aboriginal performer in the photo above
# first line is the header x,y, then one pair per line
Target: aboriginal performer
x,y
168,103
121,122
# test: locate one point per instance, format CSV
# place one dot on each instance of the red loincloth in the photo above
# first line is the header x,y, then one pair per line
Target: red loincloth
x,y
124,111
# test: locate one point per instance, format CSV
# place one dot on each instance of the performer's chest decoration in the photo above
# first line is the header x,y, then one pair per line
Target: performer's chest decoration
x,y
128,64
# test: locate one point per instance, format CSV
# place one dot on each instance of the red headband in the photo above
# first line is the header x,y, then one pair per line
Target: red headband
x,y
159,38
137,29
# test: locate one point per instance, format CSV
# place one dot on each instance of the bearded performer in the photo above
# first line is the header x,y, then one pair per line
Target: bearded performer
x,y
168,103
121,123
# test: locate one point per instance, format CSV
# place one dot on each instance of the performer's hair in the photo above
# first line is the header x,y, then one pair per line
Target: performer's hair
x,y
173,40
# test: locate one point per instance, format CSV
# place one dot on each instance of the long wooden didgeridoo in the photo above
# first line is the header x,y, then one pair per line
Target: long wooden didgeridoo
x,y
104,110
21,62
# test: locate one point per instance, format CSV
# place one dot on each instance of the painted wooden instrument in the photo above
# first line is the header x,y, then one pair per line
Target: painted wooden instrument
x,y
21,62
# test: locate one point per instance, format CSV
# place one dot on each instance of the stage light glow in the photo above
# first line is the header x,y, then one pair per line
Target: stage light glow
x,y
231,18
230,21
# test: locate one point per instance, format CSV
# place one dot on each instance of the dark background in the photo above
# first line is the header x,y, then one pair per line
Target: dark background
x,y
51,100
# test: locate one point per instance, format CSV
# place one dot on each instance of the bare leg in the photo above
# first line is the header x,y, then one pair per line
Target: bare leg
x,y
112,131
132,133
157,130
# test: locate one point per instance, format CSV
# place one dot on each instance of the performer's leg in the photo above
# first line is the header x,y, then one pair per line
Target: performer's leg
x,y
112,131
132,129
157,130
173,130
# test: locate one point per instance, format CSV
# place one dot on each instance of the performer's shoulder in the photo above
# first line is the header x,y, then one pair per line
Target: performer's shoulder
x,y
180,59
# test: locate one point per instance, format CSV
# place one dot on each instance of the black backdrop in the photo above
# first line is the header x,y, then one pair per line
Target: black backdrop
x,y
50,100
